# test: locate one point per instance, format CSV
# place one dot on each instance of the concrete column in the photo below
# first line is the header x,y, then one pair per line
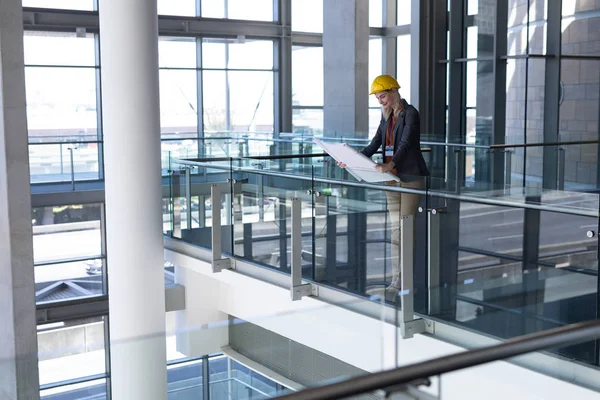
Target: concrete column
x,y
130,103
19,377
346,67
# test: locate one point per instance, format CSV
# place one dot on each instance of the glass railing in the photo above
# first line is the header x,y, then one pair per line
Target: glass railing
x,y
470,167
244,360
502,261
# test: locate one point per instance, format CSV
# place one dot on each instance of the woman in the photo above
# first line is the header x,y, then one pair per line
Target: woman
x,y
399,137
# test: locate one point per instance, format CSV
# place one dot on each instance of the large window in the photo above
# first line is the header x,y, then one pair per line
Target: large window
x,y
237,86
61,71
307,16
72,350
68,252
255,10
85,5
375,69
307,89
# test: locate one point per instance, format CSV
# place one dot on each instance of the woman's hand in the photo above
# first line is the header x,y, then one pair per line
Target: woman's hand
x,y
383,168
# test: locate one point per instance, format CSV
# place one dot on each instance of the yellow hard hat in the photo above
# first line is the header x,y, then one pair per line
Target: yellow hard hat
x,y
384,82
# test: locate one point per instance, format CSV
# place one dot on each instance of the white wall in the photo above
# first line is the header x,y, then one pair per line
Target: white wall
x,y
201,328
362,341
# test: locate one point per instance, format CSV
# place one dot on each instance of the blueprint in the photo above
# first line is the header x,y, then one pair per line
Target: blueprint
x,y
360,166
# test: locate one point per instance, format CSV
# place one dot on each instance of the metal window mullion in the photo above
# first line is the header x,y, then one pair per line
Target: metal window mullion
x,y
107,350
415,52
389,42
199,95
283,79
457,72
99,130
227,92
499,122
552,94
103,248
205,378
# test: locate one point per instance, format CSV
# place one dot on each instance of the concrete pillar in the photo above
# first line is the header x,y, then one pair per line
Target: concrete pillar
x,y
19,378
130,104
346,67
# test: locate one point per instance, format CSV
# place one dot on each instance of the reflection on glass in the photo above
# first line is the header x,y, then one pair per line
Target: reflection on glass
x,y
85,5
523,37
78,344
307,16
307,76
403,65
61,102
577,36
178,102
579,121
95,389
176,52
236,54
375,65
186,8
58,48
65,232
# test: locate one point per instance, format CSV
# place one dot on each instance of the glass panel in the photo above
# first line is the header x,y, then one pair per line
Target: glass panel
x,y
95,389
527,28
375,65
215,101
238,101
262,212
57,282
519,270
403,65
85,5
233,54
472,7
404,11
59,48
185,8
307,121
53,162
78,344
61,103
579,28
66,232
579,110
176,52
307,16
185,381
376,13
307,76
251,101
178,102
374,120
257,10
358,237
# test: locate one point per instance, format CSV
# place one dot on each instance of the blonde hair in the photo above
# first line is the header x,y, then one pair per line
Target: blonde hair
x,y
397,105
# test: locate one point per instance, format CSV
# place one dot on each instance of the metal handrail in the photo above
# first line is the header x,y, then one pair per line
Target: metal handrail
x,y
510,146
426,191
568,335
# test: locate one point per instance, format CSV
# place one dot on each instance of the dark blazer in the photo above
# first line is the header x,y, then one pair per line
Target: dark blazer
x,y
407,143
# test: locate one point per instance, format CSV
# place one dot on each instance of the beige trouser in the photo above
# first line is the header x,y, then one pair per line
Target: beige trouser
x,y
400,205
